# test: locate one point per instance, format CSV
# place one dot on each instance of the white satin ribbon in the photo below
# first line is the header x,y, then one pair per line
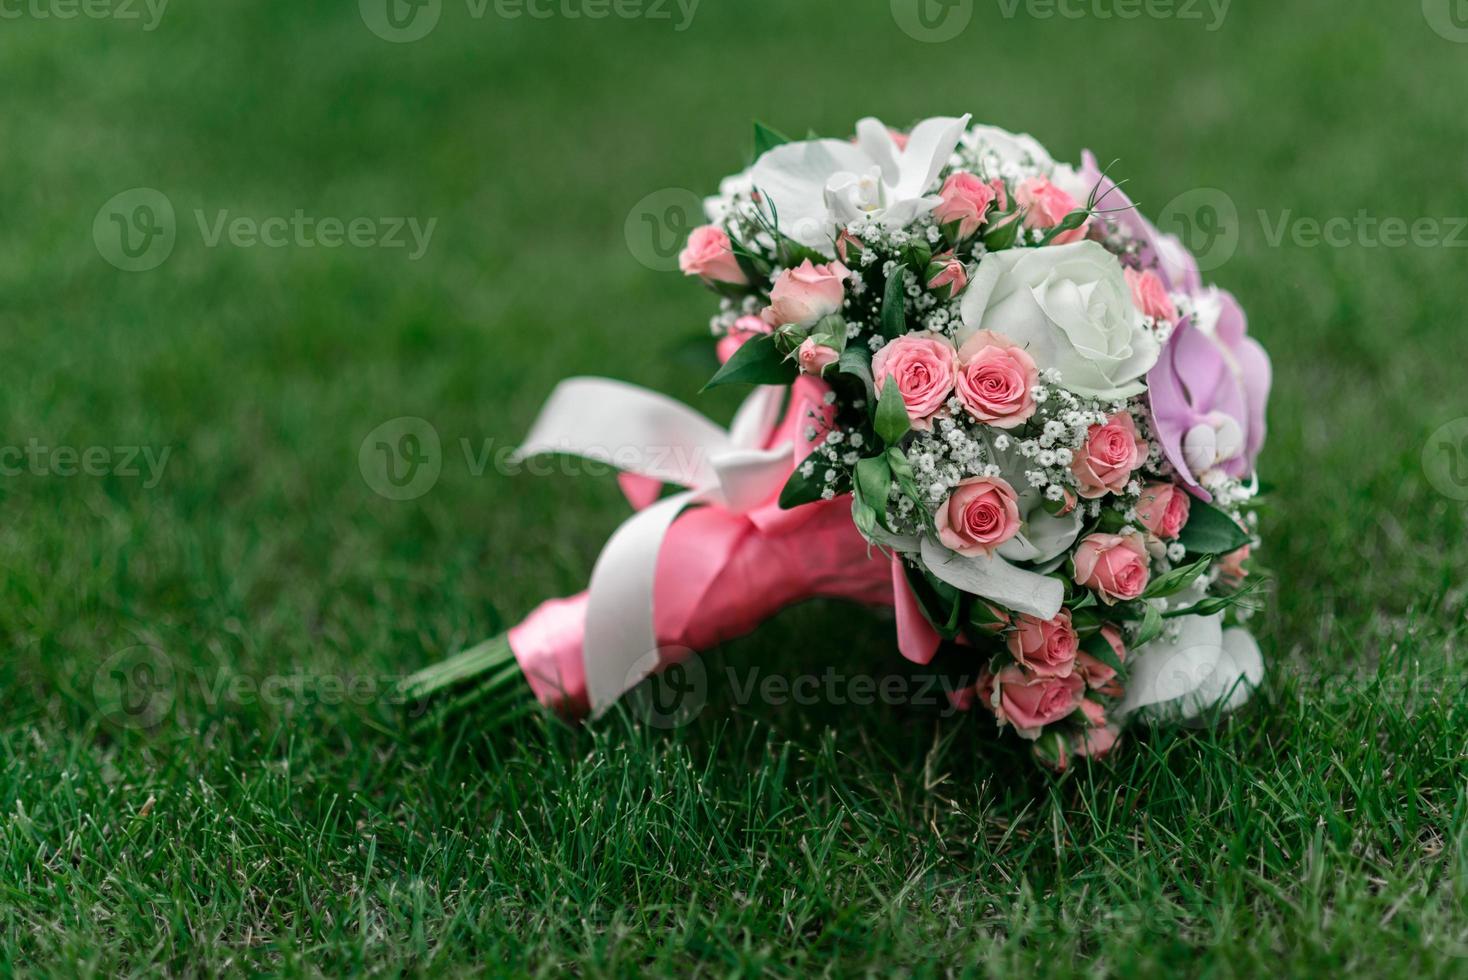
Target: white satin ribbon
x,y
649,434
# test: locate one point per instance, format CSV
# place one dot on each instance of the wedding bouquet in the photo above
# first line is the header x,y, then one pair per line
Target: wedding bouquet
x,y
989,393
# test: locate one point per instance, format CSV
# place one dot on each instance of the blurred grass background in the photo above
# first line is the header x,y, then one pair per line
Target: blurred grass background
x,y
1325,830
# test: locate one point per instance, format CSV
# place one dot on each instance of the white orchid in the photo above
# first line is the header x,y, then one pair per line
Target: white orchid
x,y
1009,154
1201,668
817,185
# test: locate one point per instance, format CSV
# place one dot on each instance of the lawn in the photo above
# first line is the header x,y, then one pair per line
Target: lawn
x,y
192,511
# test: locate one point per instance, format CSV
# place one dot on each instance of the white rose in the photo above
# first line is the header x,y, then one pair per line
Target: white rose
x,y
1069,306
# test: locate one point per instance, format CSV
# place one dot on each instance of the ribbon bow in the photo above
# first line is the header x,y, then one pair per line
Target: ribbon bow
x,y
650,435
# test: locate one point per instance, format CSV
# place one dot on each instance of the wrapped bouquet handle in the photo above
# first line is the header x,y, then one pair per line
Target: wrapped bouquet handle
x,y
669,579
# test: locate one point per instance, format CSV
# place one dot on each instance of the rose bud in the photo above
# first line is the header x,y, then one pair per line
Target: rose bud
x,y
710,255
947,276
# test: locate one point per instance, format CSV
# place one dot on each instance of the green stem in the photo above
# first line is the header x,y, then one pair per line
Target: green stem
x,y
492,656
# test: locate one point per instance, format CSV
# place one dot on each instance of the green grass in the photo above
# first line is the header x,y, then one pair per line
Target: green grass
x,y
1324,832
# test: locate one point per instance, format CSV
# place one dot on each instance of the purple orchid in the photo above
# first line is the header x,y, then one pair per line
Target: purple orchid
x,y
1209,390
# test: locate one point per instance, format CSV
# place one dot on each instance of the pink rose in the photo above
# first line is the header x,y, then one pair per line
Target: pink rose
x,y
805,294
1231,567
947,276
1097,675
710,255
1113,565
899,138
981,514
814,358
848,245
1150,295
1096,742
1046,206
1047,648
1112,451
996,380
1029,704
744,329
925,366
1164,509
966,201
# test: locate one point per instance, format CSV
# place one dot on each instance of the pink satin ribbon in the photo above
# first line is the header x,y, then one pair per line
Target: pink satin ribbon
x,y
721,574
719,577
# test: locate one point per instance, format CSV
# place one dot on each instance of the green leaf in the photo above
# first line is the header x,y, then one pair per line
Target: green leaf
x,y
1210,531
857,362
801,489
892,421
1097,647
758,362
1150,628
940,602
874,477
766,139
1213,604
894,306
982,616
1176,580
